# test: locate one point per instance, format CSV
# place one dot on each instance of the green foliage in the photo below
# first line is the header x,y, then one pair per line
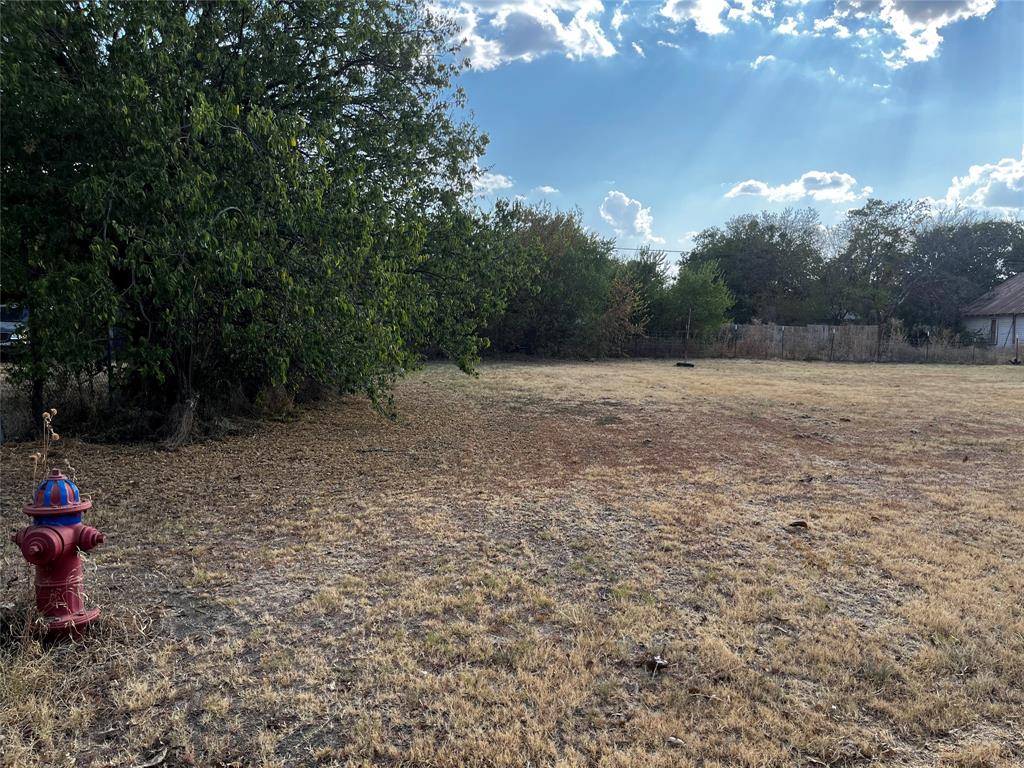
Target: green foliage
x,y
884,261
699,297
697,294
649,271
624,317
770,262
471,263
561,312
872,275
253,193
898,264
958,258
587,303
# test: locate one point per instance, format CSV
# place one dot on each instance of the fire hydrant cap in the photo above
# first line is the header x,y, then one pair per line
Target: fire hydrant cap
x,y
40,544
57,496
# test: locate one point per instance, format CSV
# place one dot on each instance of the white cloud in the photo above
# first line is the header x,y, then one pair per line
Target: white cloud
x,y
790,25
628,217
832,23
760,61
839,76
705,14
821,186
619,17
917,23
857,9
747,10
488,183
497,32
545,189
639,50
998,186
667,44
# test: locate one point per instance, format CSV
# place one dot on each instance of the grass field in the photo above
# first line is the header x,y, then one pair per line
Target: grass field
x,y
486,581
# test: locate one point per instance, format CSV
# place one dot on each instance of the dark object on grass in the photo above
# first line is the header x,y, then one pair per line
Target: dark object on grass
x,y
798,524
684,365
656,663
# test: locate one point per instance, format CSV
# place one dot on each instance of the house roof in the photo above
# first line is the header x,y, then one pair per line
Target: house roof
x,y
1007,298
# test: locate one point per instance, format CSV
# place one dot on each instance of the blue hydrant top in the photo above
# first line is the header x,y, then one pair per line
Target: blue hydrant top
x,y
57,497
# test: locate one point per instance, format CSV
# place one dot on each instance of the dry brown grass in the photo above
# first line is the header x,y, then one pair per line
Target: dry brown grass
x,y
481,583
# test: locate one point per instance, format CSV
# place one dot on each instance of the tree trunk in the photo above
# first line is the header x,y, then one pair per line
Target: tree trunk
x,y
184,414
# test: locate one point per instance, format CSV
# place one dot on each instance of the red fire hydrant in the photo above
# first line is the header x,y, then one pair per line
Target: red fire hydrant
x,y
51,544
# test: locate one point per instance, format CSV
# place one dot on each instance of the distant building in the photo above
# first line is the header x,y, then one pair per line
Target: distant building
x,y
998,316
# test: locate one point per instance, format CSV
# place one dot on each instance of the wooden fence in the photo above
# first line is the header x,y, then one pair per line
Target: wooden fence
x,y
839,343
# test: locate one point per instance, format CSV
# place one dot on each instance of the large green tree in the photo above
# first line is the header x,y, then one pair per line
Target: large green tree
x,y
564,311
770,262
958,256
649,271
873,274
698,301
250,193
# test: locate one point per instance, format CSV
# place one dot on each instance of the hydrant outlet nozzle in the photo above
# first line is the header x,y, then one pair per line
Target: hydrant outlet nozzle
x,y
90,538
42,544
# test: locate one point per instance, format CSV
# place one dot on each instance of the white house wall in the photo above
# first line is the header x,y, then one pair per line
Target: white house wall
x,y
1005,330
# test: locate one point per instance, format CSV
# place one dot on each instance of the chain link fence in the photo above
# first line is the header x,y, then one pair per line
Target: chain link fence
x,y
838,343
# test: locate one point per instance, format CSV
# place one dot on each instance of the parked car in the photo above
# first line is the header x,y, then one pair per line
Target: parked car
x,y
12,328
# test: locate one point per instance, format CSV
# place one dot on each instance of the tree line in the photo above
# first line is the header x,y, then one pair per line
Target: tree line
x,y
585,301
215,201
885,264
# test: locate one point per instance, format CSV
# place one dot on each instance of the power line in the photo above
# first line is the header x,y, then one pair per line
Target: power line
x,y
653,250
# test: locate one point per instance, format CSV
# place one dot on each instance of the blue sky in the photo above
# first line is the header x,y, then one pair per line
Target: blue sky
x,y
657,119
